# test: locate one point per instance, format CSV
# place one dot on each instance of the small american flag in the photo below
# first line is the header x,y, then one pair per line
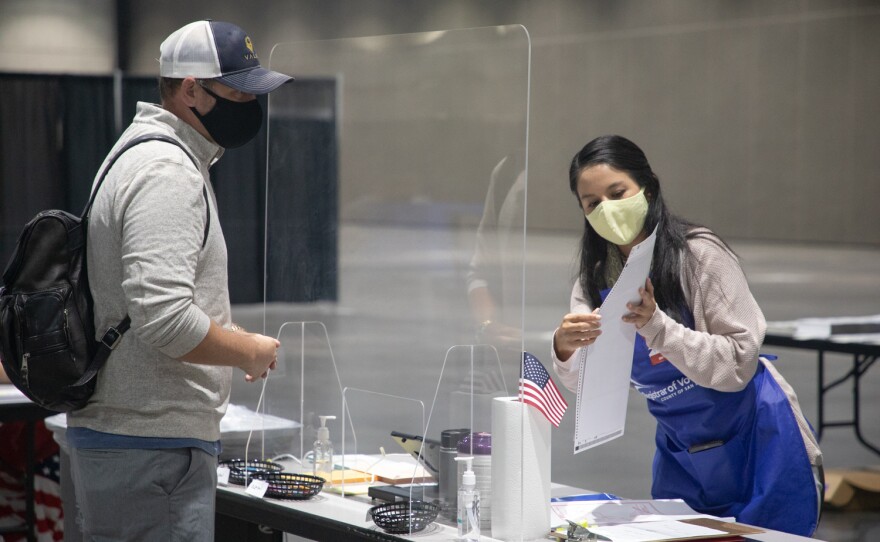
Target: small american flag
x,y
537,389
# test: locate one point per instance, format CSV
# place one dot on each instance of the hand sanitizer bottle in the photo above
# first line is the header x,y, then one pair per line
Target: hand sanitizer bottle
x,y
468,504
323,452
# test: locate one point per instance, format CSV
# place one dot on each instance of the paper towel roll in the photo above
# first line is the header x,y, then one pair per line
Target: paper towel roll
x,y
520,471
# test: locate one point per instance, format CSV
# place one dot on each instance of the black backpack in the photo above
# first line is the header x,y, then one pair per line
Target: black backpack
x,y
47,330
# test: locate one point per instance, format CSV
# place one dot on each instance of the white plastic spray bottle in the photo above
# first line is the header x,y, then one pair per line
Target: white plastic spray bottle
x,y
468,504
323,451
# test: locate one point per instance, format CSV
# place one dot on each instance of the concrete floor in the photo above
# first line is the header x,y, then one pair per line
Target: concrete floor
x,y
398,292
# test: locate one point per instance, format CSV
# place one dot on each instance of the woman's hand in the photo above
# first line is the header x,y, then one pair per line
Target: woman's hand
x,y
575,331
643,311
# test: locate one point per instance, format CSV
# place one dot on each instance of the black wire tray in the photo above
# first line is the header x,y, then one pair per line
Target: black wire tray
x,y
240,471
405,516
287,485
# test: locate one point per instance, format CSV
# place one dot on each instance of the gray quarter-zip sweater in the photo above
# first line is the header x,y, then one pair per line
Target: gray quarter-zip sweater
x,y
146,259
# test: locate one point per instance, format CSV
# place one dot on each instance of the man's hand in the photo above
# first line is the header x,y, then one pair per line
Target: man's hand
x,y
253,353
264,358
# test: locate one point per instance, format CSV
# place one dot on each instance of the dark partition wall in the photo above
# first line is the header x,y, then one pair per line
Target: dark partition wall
x,y
55,132
239,181
31,172
303,205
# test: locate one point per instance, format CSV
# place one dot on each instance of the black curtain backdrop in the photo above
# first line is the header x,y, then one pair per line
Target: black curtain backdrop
x,y
56,130
239,180
303,214
31,141
87,122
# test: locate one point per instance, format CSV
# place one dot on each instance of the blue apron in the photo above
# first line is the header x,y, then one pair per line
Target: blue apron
x,y
727,454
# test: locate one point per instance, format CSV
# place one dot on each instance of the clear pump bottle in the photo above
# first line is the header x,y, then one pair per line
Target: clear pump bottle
x,y
323,451
468,504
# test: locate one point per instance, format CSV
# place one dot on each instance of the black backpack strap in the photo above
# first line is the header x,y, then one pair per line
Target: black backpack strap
x,y
105,347
114,334
136,141
208,209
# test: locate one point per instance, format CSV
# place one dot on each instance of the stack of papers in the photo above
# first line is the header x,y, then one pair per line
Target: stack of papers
x,y
388,468
644,520
652,531
616,512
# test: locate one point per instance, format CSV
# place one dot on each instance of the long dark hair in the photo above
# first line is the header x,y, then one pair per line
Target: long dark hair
x,y
673,232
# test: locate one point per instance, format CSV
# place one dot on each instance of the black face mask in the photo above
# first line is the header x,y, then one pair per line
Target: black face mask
x,y
231,124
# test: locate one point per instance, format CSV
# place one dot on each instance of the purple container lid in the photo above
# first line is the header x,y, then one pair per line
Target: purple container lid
x,y
482,444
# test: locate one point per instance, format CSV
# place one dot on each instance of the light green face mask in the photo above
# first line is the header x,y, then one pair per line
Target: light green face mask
x,y
620,221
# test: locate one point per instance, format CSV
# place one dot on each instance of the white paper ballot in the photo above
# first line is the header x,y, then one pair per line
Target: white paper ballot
x,y
605,366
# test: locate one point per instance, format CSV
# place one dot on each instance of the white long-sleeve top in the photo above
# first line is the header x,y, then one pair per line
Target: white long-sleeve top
x,y
721,352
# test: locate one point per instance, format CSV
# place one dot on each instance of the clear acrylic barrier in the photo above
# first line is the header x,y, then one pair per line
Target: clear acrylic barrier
x,y
367,442
401,414
470,377
288,398
395,215
307,384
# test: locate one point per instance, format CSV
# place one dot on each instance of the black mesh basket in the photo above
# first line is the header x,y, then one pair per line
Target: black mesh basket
x,y
287,485
240,471
404,516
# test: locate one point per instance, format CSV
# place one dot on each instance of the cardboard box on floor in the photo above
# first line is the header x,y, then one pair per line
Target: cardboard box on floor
x,y
853,490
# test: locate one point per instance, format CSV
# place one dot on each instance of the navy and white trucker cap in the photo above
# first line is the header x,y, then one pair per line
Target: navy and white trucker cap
x,y
217,50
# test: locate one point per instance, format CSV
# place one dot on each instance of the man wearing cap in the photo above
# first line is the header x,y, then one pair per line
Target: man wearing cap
x,y
144,449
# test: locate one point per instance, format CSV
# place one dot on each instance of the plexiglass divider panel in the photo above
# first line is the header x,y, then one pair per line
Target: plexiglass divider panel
x,y
461,420
395,216
310,385
290,405
368,441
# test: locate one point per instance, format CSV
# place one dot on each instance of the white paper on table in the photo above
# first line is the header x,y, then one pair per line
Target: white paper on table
x,y
603,382
391,466
10,393
654,531
822,328
223,476
240,418
257,488
614,512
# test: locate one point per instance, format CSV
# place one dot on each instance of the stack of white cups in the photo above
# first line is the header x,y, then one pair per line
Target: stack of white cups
x,y
479,446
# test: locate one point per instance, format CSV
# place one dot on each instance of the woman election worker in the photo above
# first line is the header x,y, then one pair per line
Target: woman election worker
x,y
731,438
